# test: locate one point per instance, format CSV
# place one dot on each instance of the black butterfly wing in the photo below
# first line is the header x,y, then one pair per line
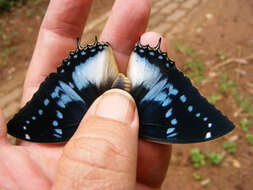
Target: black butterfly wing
x,y
51,116
55,111
171,109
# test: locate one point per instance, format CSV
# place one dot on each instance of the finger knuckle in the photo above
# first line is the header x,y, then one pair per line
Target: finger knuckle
x,y
95,152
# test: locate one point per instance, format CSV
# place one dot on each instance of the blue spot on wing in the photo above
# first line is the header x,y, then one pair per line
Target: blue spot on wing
x,y
173,121
160,57
190,108
172,90
170,130
59,114
55,123
40,112
168,113
46,102
58,131
183,98
166,102
161,97
172,135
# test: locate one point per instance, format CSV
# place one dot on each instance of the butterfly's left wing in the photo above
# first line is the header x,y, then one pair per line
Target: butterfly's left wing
x,y
56,109
171,109
52,115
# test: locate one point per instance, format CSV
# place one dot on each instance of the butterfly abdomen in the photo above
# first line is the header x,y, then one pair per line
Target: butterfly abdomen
x,y
122,82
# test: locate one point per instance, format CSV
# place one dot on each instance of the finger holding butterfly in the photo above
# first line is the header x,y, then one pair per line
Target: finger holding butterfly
x,y
126,24
62,24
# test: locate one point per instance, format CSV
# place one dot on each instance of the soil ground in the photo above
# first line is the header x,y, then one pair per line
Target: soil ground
x,y
215,34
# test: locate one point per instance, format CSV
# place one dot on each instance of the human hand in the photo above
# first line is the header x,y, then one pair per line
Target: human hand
x,y
103,152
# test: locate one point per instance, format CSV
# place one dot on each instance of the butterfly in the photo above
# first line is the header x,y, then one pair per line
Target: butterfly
x,y
171,109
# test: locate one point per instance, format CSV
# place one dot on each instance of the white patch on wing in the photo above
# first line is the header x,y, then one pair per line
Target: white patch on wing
x,y
64,94
27,137
96,70
208,135
141,71
155,92
70,92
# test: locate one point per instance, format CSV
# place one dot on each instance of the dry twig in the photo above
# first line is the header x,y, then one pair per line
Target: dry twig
x,y
233,60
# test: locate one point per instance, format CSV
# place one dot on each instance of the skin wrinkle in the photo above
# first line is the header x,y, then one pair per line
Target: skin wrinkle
x,y
47,162
67,24
8,173
32,168
61,29
92,164
17,184
38,169
90,176
94,180
110,145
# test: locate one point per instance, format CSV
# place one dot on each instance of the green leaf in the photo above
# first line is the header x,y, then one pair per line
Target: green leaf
x,y
214,158
230,147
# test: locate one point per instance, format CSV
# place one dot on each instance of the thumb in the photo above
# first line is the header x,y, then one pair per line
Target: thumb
x,y
102,154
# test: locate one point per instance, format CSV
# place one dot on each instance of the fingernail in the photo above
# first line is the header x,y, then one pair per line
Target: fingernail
x,y
117,105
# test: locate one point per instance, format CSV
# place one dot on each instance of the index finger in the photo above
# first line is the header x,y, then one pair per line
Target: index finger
x,y
63,23
126,24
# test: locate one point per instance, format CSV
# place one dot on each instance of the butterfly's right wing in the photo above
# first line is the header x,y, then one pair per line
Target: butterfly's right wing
x,y
171,109
55,111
